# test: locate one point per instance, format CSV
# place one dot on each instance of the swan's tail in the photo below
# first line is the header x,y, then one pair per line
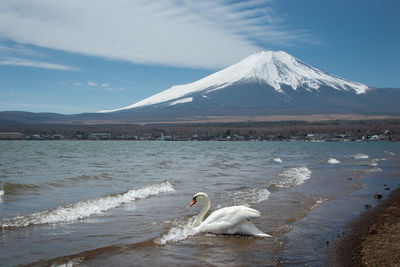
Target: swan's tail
x,y
262,234
258,232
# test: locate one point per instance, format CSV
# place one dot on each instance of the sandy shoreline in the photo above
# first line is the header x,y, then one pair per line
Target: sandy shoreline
x,y
373,238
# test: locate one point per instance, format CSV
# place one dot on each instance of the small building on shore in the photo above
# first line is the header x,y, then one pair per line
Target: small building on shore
x,y
11,136
100,136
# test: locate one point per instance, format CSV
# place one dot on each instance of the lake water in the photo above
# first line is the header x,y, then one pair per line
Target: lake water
x,y
94,203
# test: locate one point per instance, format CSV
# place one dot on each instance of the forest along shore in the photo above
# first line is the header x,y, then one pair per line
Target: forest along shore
x,y
373,238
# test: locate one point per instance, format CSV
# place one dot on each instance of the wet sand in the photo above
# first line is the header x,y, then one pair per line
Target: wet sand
x,y
373,238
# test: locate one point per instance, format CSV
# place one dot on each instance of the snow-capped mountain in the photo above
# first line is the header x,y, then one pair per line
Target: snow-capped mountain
x,y
276,69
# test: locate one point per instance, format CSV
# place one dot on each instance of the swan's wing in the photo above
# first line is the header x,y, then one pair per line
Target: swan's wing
x,y
226,218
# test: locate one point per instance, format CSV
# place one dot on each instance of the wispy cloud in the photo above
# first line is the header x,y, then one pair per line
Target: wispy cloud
x,y
35,64
102,85
108,87
17,50
191,33
91,83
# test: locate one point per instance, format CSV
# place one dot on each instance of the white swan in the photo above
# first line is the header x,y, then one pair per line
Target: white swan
x,y
229,220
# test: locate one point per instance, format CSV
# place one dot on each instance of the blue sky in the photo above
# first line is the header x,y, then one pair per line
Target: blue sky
x,y
73,56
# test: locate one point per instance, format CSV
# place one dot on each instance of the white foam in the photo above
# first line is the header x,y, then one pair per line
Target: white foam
x,y
277,160
70,263
260,195
333,161
178,232
318,202
84,209
390,153
360,156
293,177
373,163
374,169
248,197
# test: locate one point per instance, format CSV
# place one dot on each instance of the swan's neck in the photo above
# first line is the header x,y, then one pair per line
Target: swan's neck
x,y
203,212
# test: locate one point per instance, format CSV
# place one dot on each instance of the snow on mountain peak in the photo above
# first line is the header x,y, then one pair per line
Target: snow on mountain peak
x,y
274,68
278,68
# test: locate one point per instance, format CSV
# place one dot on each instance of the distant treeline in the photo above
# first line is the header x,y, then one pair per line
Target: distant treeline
x,y
357,129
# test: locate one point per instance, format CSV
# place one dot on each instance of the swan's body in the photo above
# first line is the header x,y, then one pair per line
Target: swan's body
x,y
229,220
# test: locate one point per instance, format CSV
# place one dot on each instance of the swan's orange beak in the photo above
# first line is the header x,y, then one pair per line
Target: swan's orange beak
x,y
193,202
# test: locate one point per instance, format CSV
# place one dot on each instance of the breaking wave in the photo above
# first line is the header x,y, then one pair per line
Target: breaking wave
x,y
179,231
293,177
279,160
19,188
374,169
248,197
373,163
360,156
84,209
318,202
333,161
390,153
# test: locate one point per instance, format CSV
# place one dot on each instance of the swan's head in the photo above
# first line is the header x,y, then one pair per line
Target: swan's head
x,y
198,197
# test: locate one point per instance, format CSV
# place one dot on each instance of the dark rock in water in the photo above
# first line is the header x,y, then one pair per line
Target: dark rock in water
x,y
387,188
367,206
378,196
